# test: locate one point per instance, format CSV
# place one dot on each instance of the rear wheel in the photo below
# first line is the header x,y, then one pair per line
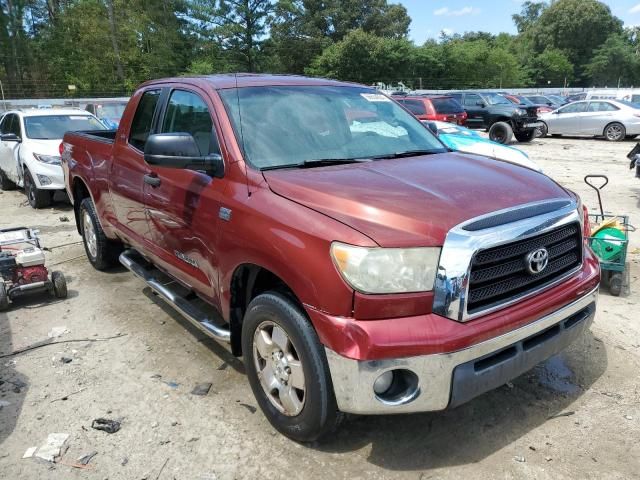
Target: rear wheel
x,y
101,252
287,369
59,284
526,135
501,132
37,198
614,132
5,183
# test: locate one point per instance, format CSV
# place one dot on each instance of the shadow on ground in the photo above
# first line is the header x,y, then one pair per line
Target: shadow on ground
x,y
13,384
483,426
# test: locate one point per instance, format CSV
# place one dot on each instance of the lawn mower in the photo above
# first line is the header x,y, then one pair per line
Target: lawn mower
x,y
22,269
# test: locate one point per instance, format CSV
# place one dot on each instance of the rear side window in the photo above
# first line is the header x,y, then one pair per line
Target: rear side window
x,y
143,119
188,113
574,108
446,105
415,106
601,107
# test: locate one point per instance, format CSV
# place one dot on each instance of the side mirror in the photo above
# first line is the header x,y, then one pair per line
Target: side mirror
x,y
180,150
480,103
10,137
556,112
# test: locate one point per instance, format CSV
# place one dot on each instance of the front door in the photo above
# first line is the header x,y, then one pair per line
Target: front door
x,y
128,168
476,110
10,150
566,120
183,205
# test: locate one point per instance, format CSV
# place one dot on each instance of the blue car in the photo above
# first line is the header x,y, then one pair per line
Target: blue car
x,y
462,139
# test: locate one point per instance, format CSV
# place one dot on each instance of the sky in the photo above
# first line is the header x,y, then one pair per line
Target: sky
x,y
430,17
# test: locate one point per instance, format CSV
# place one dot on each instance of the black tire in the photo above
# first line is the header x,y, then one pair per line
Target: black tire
x,y
615,284
615,132
319,414
542,130
501,132
5,183
59,284
526,135
101,252
37,198
4,298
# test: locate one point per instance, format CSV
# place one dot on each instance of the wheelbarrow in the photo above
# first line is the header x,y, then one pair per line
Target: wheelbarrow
x,y
610,239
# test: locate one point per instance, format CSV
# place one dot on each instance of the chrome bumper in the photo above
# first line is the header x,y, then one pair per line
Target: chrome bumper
x,y
441,383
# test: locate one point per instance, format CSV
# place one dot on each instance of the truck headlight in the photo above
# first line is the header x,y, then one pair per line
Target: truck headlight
x,y
48,159
520,112
386,270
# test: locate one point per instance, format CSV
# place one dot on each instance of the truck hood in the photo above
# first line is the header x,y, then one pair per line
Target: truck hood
x,y
414,201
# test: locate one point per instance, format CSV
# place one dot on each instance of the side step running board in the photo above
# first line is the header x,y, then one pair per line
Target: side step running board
x,y
181,304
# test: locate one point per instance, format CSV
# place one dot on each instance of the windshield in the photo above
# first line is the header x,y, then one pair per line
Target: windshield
x,y
111,110
446,105
524,100
496,99
629,104
280,126
53,127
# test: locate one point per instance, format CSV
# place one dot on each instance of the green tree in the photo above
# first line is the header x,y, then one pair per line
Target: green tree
x,y
528,16
613,63
551,67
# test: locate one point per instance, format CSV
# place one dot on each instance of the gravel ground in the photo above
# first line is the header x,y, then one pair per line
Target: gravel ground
x,y
576,416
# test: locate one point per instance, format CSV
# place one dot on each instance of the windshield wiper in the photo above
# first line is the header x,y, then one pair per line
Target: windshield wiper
x,y
317,163
408,153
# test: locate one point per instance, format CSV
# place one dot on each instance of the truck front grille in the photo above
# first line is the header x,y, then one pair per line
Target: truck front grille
x,y
500,274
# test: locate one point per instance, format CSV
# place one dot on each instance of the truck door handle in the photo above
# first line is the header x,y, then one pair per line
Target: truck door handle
x,y
152,179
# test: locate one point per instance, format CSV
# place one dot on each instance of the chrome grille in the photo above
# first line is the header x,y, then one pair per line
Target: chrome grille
x,y
499,274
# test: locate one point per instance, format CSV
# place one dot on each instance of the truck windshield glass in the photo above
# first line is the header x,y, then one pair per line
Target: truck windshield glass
x,y
281,126
53,127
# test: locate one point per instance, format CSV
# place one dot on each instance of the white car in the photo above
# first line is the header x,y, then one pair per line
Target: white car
x,y
29,149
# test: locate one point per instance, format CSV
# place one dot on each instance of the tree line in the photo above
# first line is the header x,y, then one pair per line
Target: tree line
x,y
108,47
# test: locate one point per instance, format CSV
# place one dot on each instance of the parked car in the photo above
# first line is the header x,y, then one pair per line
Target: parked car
x,y
576,97
559,99
108,113
544,100
29,149
356,266
462,139
438,107
525,102
615,120
501,118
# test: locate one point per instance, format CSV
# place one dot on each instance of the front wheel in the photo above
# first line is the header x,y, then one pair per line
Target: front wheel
x,y
37,198
4,298
525,136
615,132
287,369
501,132
101,252
542,130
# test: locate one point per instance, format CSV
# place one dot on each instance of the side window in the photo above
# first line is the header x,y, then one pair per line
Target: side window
x,y
188,113
11,124
4,124
415,106
456,96
471,100
15,126
574,108
143,118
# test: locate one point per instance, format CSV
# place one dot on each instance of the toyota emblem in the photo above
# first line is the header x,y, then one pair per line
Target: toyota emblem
x,y
537,260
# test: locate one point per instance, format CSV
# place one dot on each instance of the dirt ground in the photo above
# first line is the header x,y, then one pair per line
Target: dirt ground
x,y
576,416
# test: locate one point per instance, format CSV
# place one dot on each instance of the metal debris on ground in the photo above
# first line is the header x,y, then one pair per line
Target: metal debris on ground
x,y
171,384
66,359
85,459
51,449
562,414
201,389
64,219
105,424
519,458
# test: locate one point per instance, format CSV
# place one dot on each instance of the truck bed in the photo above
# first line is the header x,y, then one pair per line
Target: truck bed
x,y
104,136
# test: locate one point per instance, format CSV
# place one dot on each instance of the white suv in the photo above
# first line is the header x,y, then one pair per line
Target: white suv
x,y
29,149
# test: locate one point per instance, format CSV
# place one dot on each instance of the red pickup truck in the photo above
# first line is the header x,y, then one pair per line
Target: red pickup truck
x,y
330,239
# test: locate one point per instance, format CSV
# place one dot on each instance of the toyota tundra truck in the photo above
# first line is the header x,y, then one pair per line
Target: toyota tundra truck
x,y
331,240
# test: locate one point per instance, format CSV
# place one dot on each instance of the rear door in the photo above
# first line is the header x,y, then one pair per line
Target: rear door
x,y
128,167
473,105
598,114
183,205
9,151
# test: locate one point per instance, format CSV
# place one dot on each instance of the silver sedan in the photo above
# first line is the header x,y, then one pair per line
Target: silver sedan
x,y
613,119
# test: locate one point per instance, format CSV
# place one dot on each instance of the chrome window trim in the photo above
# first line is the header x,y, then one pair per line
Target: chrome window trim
x,y
460,246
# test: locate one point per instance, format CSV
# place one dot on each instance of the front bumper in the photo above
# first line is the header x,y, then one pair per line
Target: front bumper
x,y
450,379
47,176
